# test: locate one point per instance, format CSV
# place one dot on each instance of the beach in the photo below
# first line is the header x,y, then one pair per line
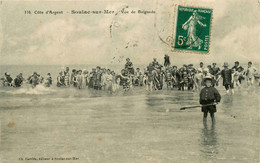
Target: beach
x,y
132,126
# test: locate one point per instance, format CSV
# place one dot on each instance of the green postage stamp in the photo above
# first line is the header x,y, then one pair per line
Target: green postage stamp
x,y
192,31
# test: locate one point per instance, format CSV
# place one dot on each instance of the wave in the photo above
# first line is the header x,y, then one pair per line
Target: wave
x,y
38,90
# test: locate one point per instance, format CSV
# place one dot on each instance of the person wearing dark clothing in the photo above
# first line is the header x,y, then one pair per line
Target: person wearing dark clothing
x,y
8,79
129,66
208,96
155,62
215,72
97,77
191,76
226,74
34,80
167,61
179,79
92,78
18,81
72,78
237,67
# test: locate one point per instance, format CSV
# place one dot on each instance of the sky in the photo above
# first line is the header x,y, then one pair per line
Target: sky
x,y
88,39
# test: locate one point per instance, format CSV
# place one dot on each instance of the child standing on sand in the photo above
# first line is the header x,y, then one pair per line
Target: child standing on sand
x,y
208,96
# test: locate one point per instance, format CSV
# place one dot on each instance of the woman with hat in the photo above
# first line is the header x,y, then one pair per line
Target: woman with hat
x,y
208,97
226,74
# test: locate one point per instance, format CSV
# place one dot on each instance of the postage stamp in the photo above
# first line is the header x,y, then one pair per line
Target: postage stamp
x,y
192,30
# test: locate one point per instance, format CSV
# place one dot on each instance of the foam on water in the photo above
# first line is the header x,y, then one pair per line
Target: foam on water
x,y
38,90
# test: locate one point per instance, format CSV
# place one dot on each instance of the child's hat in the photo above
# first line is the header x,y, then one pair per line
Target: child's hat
x,y
208,77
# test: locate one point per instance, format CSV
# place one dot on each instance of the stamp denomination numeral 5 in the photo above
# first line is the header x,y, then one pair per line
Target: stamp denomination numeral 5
x,y
181,40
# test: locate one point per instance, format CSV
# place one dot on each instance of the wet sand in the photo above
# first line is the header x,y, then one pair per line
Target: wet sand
x,y
134,126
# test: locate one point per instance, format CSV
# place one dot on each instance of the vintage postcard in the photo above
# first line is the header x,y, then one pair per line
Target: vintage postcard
x,y
129,81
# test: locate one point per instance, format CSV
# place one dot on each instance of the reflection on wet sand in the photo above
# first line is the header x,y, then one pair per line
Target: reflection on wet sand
x,y
209,141
135,126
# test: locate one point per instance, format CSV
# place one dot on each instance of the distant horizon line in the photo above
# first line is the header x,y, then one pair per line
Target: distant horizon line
x,y
112,64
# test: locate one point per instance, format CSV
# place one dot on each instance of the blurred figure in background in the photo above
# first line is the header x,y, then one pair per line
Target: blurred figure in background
x,y
167,62
48,80
226,74
18,81
60,80
250,74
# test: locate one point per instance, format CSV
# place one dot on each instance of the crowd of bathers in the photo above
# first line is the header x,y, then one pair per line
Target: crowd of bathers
x,y
155,76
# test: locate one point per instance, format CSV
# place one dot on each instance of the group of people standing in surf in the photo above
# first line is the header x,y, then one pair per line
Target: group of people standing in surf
x,y
99,78
155,76
189,78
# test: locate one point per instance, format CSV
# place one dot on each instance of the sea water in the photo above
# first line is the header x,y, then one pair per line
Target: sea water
x,y
133,126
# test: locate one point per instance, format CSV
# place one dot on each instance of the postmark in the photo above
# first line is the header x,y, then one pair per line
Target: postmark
x,y
192,30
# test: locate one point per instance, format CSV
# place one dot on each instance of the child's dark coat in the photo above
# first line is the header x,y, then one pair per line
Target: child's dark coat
x,y
209,95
